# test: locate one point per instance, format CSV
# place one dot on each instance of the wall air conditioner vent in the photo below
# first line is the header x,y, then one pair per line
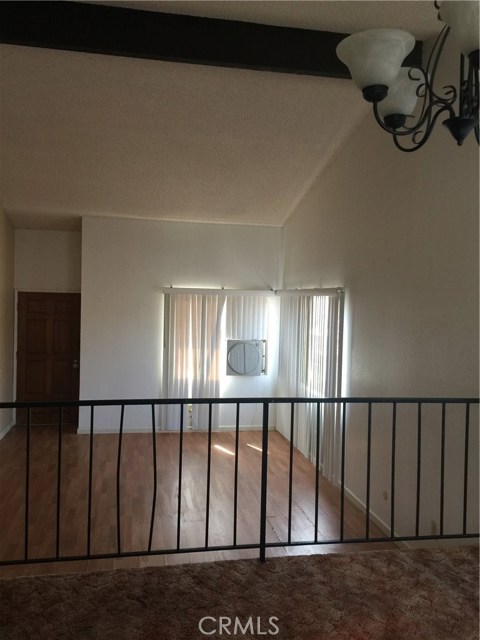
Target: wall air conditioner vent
x,y
246,357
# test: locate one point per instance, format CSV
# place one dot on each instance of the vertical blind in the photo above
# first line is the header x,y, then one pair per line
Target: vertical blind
x,y
310,366
247,317
192,360
310,356
195,327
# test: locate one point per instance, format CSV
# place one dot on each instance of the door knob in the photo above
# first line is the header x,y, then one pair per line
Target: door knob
x,y
75,364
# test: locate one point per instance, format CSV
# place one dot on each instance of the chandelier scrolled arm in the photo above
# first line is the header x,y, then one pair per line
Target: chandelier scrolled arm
x,y
375,60
431,102
433,105
420,136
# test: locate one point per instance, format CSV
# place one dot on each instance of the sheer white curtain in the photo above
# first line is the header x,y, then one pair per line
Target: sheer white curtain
x,y
193,332
310,366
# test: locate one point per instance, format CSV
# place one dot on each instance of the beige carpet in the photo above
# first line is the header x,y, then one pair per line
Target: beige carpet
x,y
376,595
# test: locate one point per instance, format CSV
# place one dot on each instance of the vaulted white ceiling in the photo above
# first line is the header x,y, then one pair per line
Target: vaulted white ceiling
x,y
88,134
344,16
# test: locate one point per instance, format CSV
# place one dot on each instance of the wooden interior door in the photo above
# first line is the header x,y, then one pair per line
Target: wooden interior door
x,y
48,355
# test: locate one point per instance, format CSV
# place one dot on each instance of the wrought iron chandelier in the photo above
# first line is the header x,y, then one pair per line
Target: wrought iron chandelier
x,y
374,59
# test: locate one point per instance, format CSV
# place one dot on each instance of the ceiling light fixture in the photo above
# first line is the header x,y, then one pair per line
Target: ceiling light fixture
x,y
374,59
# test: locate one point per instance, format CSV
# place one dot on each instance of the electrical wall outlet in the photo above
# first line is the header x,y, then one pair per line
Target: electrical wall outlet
x,y
434,528
385,495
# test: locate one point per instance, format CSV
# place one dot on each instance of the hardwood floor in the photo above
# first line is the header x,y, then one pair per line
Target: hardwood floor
x,y
136,498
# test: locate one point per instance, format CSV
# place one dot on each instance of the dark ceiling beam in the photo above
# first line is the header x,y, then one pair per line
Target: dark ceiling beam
x,y
75,26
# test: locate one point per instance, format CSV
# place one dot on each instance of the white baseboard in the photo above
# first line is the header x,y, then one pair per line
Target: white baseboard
x,y
381,524
4,430
245,428
408,544
85,431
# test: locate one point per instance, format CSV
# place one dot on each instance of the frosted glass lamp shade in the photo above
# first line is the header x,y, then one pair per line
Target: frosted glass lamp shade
x,y
402,96
374,57
463,19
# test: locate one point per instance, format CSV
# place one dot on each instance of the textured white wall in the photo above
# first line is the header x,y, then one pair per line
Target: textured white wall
x,y
48,260
400,232
6,320
125,264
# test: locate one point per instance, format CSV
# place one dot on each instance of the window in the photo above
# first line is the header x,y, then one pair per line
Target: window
x,y
310,366
193,335
197,327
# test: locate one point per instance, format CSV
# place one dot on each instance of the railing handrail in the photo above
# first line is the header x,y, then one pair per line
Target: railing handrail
x,y
339,417
234,400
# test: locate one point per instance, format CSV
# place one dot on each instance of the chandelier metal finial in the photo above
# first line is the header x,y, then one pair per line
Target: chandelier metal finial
x,y
374,59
